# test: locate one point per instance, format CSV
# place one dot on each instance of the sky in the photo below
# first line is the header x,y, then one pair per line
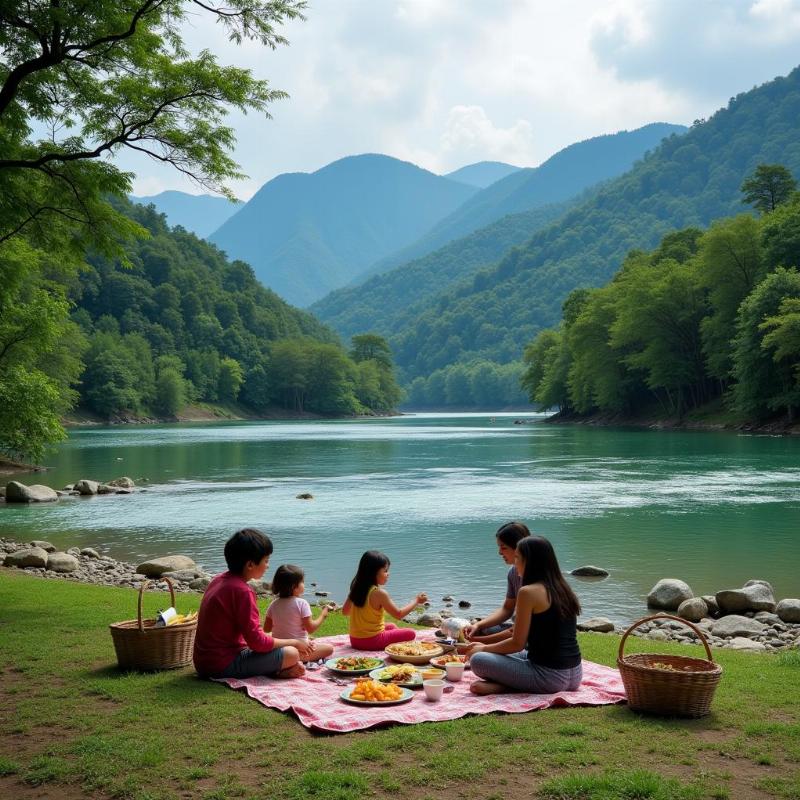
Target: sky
x,y
444,83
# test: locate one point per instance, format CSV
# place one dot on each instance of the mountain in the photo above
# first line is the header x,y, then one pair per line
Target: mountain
x,y
307,234
482,174
561,177
688,180
201,214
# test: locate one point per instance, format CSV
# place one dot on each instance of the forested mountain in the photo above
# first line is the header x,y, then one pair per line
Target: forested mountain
x,y
307,234
688,180
561,177
201,214
181,323
482,174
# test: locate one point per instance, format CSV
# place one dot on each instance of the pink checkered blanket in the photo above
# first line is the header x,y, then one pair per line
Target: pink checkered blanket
x,y
316,700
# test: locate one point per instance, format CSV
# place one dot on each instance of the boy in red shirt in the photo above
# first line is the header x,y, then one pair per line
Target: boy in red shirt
x,y
230,642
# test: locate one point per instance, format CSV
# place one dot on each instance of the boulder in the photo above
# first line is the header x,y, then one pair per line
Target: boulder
x,y
597,625
668,594
320,593
27,557
757,582
693,609
464,604
742,643
50,548
767,618
156,567
735,625
104,488
711,603
590,572
183,574
62,562
261,588
757,596
122,483
788,610
90,552
69,487
200,584
86,487
305,496
36,493
430,620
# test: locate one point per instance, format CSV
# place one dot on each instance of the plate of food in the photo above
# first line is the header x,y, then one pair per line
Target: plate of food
x,y
450,658
413,652
354,665
368,692
400,674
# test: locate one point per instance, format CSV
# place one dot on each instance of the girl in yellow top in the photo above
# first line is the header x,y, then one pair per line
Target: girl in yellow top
x,y
367,602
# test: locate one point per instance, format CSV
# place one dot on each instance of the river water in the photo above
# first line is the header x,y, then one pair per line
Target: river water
x,y
714,509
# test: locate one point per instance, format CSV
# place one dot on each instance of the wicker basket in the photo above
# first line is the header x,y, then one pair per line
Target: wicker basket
x,y
684,691
142,646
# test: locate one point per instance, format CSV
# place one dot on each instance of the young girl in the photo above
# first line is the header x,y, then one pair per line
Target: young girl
x,y
289,616
367,602
541,655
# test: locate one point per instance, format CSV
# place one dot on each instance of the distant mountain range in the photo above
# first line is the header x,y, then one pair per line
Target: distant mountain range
x,y
306,234
201,214
482,174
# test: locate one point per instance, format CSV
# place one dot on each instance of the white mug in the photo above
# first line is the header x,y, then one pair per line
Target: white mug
x,y
433,689
454,671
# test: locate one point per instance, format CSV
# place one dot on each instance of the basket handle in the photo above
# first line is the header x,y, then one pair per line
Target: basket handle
x,y
141,592
664,616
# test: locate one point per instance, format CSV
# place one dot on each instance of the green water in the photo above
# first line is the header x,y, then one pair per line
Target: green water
x,y
714,509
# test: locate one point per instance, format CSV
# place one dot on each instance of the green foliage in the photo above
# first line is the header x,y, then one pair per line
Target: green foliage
x,y
768,187
231,378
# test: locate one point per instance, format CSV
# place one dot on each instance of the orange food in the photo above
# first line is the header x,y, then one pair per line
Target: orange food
x,y
369,691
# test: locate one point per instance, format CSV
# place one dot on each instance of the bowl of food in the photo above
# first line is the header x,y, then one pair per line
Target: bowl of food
x,y
402,674
449,658
432,674
369,692
413,652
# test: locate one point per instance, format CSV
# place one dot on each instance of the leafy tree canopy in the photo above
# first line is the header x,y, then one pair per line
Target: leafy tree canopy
x,y
768,187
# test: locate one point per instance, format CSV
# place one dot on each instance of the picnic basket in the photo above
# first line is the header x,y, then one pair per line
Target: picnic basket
x,y
668,685
140,645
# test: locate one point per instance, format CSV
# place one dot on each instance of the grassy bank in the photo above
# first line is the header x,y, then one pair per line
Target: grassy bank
x,y
73,726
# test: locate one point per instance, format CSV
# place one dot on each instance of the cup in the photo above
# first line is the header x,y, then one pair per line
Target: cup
x,y
454,671
433,689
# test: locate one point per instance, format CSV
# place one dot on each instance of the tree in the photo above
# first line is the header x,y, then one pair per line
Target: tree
x,y
768,187
231,378
371,346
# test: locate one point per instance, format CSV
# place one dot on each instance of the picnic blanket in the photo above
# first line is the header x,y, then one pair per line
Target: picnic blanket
x,y
316,700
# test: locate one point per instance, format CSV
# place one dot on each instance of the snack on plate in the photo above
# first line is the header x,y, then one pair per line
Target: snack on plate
x,y
357,662
398,673
369,691
412,648
448,658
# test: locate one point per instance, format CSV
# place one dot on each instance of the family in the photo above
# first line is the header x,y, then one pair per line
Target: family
x,y
529,644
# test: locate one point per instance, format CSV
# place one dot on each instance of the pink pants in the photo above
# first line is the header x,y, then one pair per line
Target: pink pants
x,y
389,635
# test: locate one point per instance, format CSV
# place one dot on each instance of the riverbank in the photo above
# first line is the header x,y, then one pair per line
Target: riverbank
x,y
76,727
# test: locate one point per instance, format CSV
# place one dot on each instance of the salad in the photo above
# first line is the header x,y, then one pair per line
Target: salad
x,y
358,662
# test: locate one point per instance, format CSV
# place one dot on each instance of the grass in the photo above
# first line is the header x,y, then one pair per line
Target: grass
x,y
74,725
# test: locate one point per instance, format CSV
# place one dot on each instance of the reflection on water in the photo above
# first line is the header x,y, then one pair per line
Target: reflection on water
x,y
713,509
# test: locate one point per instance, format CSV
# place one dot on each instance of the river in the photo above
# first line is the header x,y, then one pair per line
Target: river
x,y
714,509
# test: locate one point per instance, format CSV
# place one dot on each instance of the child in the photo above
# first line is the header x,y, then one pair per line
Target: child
x,y
367,601
229,642
289,616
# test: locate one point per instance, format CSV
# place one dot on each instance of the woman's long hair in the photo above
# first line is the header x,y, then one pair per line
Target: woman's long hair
x,y
367,571
541,566
511,533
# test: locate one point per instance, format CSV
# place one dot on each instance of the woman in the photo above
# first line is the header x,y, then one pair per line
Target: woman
x,y
541,655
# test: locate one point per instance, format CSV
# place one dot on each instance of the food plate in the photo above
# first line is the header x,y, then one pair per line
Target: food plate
x,y
454,658
406,695
333,665
413,652
447,645
415,683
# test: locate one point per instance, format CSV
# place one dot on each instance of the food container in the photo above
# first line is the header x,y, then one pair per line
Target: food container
x,y
434,689
431,673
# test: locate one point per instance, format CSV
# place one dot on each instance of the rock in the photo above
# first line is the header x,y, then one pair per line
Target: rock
x,y
2,491
464,604
200,584
69,487
693,609
668,594
62,562
122,483
261,588
658,636
27,557
448,598
597,625
305,496
104,488
430,620
73,551
36,493
86,487
90,552
788,610
124,491
50,548
756,582
742,643
711,603
590,572
184,575
755,597
766,618
735,625
156,567
320,593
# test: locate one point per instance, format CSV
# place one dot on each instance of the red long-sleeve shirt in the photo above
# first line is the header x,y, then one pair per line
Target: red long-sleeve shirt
x,y
227,623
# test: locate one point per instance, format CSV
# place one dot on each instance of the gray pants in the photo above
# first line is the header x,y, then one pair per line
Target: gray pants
x,y
248,664
517,672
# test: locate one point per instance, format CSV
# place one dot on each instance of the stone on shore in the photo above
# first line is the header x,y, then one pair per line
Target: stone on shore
x,y
184,575
62,562
86,487
17,492
742,643
105,488
736,625
200,584
590,571
27,557
757,596
788,610
669,593
122,483
597,625
693,609
261,588
156,567
429,620
90,552
50,548
711,602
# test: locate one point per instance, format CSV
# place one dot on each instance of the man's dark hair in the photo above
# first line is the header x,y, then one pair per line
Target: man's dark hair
x,y
248,544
